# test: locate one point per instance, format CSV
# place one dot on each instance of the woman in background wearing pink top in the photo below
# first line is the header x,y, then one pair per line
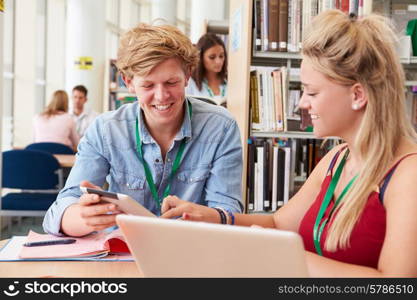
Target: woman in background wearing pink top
x,y
55,124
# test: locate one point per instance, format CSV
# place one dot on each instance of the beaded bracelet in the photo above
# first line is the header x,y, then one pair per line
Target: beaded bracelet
x,y
232,217
223,218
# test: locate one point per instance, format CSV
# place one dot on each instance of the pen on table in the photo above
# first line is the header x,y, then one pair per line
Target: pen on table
x,y
49,243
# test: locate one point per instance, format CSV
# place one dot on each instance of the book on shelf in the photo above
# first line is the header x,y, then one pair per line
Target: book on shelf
x,y
257,25
284,32
273,166
272,107
259,178
278,178
284,92
268,173
273,25
250,191
95,246
254,102
279,109
412,102
267,180
118,92
287,174
264,25
283,25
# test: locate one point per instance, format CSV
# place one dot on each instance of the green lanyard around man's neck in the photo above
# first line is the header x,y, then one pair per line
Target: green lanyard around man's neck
x,y
148,173
318,229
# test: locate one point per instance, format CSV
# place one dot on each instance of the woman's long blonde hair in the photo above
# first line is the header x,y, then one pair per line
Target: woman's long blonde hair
x,y
58,104
349,50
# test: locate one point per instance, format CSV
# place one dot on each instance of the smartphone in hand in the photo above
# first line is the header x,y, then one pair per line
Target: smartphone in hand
x,y
123,202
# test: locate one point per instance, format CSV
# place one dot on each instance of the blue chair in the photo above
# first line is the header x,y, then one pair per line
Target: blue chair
x,y
53,148
37,175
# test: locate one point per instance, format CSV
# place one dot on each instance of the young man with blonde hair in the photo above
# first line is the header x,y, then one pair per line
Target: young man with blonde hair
x,y
164,144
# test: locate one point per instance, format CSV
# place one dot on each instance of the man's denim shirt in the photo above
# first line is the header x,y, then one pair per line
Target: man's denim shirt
x,y
210,172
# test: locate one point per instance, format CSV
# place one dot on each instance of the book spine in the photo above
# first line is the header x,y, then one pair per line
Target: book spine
x,y
260,99
267,198
260,173
254,99
344,6
274,197
299,25
284,89
283,25
273,23
276,75
264,25
367,7
353,6
257,16
287,177
280,176
251,176
290,32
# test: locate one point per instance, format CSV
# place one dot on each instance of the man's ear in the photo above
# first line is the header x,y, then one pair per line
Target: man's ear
x,y
187,76
129,84
360,98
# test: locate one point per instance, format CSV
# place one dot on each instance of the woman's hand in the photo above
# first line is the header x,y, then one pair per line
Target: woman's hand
x,y
173,207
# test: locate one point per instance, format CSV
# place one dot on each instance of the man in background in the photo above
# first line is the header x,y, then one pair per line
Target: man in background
x,y
83,116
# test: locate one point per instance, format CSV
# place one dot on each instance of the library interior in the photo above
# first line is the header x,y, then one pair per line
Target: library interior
x,y
66,91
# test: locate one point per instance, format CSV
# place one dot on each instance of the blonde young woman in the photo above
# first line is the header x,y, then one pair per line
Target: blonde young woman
x,y
54,124
357,211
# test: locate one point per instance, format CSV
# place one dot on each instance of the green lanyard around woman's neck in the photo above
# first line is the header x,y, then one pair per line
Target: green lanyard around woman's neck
x,y
222,89
318,229
148,173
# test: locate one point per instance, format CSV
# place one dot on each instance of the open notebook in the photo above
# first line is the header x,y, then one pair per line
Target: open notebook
x,y
99,246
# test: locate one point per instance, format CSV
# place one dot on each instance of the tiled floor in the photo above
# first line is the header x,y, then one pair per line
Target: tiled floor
x,y
27,223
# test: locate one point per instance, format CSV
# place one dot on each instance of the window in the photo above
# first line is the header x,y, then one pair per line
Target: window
x,y
8,73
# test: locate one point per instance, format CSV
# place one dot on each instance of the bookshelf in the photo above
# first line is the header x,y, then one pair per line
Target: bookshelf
x,y
118,92
243,54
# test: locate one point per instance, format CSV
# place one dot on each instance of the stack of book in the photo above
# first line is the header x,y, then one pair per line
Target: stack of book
x,y
274,107
277,168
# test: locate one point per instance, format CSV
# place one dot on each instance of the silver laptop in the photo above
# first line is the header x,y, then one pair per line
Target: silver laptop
x,y
174,248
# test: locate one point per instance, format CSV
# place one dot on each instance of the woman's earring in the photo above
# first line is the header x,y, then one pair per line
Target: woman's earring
x,y
355,106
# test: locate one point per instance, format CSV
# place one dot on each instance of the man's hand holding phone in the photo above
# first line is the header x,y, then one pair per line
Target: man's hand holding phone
x,y
96,213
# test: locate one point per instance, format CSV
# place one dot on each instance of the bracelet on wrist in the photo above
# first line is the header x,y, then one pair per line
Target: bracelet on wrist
x,y
223,218
232,217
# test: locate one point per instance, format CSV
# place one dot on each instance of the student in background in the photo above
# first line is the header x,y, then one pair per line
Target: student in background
x,y
83,116
209,79
356,213
55,124
163,144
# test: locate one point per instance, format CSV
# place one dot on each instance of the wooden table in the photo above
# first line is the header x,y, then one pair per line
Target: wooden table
x,y
68,268
65,160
